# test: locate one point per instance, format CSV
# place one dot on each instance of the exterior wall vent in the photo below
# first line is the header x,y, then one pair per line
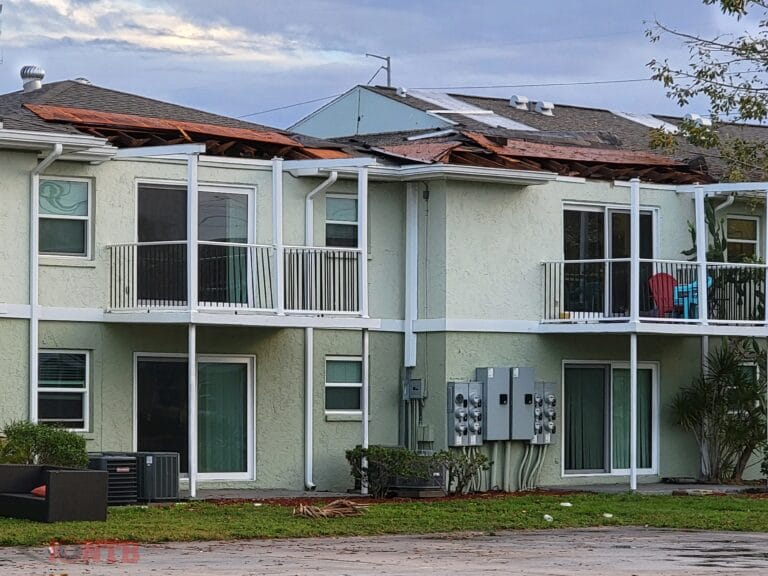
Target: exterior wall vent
x,y
519,102
32,78
545,108
698,120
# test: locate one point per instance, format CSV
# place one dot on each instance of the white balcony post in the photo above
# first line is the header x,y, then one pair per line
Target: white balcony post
x,y
192,204
192,405
633,412
277,233
701,253
634,250
362,237
364,408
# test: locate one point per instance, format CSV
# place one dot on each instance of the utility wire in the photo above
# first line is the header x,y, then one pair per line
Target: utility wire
x,y
487,87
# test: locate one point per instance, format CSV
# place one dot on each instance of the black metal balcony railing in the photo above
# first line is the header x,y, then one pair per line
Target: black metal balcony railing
x,y
600,290
153,275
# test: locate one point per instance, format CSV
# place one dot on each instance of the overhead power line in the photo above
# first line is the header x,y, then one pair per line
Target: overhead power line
x,y
486,87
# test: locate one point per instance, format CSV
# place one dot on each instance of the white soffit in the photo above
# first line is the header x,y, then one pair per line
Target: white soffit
x,y
647,120
451,104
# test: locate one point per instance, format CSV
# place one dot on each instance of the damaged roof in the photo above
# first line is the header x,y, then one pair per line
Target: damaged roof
x,y
127,120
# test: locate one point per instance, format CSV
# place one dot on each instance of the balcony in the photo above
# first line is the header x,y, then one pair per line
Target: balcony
x,y
235,277
600,291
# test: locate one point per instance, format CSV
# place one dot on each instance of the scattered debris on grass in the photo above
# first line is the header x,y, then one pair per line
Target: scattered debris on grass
x,y
566,504
336,509
548,518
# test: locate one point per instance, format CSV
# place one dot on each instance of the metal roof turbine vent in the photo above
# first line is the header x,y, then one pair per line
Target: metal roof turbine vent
x,y
32,78
519,102
545,108
402,91
82,80
698,120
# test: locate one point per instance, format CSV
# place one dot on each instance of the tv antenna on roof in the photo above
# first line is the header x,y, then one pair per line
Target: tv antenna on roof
x,y
387,67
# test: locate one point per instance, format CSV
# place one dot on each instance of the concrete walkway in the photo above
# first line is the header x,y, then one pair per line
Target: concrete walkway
x,y
599,551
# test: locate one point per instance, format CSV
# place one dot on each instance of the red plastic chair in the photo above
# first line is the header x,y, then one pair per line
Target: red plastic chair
x,y
662,287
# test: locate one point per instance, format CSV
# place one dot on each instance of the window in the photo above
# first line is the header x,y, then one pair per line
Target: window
x,y
343,384
341,221
62,397
596,413
64,217
741,238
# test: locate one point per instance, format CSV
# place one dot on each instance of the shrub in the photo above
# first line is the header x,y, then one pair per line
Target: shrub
x,y
463,469
385,464
28,443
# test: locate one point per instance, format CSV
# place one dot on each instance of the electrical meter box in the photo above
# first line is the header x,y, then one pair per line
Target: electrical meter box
x,y
497,402
522,404
465,413
545,413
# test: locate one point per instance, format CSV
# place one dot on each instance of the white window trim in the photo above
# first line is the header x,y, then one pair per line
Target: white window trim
x,y
612,364
88,219
354,223
250,418
359,385
755,242
86,391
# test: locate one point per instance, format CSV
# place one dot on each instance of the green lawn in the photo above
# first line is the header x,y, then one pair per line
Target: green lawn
x,y
201,521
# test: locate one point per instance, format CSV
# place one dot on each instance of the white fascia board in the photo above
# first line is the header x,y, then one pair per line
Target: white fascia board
x,y
646,185
726,188
413,172
330,164
170,150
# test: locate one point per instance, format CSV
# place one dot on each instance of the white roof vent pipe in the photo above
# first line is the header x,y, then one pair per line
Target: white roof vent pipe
x,y
545,108
519,102
32,78
698,120
81,80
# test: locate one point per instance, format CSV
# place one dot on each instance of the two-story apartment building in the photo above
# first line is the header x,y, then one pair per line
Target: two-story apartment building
x,y
261,302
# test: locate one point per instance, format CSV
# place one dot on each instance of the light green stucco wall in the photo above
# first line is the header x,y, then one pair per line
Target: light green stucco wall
x,y
278,398
14,368
463,352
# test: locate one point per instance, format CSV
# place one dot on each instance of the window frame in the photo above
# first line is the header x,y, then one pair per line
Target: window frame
x,y
612,365
358,386
85,391
355,223
88,218
742,241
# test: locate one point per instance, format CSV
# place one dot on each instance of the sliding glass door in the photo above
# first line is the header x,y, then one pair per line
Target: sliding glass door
x,y
597,419
224,413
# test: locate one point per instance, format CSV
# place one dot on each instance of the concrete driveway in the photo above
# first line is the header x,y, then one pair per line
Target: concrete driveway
x,y
608,551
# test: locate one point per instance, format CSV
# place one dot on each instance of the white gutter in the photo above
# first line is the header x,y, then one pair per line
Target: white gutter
x,y
309,347
420,172
34,248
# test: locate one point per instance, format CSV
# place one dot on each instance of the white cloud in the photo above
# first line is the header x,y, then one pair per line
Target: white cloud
x,y
152,26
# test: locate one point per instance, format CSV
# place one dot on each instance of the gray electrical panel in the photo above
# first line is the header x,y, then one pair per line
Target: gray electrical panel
x,y
465,413
497,402
545,412
415,389
522,404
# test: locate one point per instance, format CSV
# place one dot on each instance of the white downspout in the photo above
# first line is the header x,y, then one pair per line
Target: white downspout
x,y
411,272
309,348
34,249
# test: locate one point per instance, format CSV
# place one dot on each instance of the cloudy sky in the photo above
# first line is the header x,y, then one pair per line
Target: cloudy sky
x,y
239,57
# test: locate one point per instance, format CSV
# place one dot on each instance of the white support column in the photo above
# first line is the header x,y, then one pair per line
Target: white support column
x,y
192,416
309,406
411,271
633,412
277,233
192,212
34,310
701,253
634,250
362,237
364,405
704,352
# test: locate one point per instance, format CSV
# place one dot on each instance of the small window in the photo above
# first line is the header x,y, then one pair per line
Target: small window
x,y
742,238
62,397
341,221
343,384
64,217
